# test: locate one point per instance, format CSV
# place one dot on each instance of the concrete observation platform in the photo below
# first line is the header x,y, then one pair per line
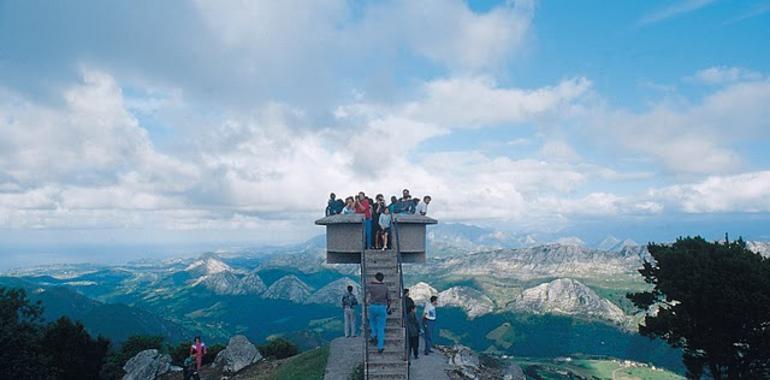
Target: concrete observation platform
x,y
344,234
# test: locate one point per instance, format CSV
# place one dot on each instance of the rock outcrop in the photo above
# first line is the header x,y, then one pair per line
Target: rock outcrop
x,y
465,361
474,302
468,365
567,297
147,365
514,372
240,353
421,292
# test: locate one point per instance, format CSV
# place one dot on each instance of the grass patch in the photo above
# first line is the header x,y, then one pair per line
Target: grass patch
x,y
309,365
593,369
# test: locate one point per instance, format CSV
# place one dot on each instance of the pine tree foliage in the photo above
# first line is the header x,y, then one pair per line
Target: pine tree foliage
x,y
713,301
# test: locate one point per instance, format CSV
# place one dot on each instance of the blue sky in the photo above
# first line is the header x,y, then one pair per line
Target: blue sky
x,y
131,123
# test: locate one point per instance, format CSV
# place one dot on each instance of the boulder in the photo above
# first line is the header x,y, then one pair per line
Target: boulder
x,y
465,361
239,354
514,372
147,365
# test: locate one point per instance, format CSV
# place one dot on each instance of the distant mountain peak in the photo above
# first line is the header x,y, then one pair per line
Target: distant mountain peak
x,y
567,296
474,302
608,242
290,288
571,240
332,293
208,263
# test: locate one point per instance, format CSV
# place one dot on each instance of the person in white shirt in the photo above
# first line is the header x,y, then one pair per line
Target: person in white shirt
x,y
429,323
384,222
422,207
349,206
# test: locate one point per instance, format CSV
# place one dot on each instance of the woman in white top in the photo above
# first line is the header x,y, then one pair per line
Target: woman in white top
x,y
385,220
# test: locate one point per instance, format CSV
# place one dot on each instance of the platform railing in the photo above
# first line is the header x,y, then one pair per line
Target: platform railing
x,y
397,241
365,322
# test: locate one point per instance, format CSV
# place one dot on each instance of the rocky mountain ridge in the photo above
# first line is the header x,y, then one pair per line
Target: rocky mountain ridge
x,y
567,297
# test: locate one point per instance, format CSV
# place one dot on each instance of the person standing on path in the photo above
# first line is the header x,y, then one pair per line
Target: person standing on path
x,y
198,349
349,303
378,299
412,331
408,301
429,323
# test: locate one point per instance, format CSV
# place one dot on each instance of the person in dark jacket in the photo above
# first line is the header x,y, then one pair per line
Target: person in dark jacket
x,y
408,301
377,210
412,330
334,205
330,204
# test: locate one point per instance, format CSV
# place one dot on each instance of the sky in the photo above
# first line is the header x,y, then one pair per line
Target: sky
x,y
136,123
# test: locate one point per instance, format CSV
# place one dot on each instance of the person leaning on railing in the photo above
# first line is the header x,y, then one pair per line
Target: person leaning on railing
x,y
334,206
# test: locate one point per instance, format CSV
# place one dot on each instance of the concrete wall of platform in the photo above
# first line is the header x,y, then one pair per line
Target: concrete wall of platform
x,y
344,237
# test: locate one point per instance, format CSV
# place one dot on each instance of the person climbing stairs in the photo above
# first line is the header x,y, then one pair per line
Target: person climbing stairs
x,y
392,362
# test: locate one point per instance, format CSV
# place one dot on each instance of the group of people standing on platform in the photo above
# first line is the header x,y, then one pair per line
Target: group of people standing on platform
x,y
378,233
380,307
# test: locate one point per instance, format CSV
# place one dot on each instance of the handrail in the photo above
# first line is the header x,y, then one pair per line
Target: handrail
x,y
365,323
397,240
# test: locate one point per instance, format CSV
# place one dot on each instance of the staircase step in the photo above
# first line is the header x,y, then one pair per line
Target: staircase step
x,y
390,371
388,356
400,375
374,376
393,345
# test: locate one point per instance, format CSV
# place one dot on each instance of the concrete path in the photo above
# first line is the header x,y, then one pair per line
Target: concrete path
x,y
344,355
431,367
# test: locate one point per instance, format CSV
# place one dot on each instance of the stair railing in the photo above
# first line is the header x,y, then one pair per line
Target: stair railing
x,y
365,323
397,240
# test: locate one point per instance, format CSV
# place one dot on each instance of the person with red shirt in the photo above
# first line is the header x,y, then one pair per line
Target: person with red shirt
x,y
363,206
198,349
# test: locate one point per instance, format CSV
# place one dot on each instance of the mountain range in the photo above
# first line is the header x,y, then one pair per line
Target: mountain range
x,y
482,278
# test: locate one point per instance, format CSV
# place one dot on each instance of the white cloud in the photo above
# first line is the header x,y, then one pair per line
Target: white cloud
x,y
746,192
719,75
450,33
690,138
89,163
677,8
477,102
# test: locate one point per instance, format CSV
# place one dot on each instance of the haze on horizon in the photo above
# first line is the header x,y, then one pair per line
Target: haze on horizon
x,y
208,123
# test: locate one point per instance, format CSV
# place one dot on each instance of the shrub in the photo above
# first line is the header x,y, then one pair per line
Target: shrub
x,y
278,348
113,368
212,352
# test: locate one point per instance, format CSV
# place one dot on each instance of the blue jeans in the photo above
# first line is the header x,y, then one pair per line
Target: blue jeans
x,y
368,232
377,316
428,326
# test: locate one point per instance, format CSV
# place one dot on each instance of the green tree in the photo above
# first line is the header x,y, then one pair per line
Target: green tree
x,y
713,301
72,352
20,327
